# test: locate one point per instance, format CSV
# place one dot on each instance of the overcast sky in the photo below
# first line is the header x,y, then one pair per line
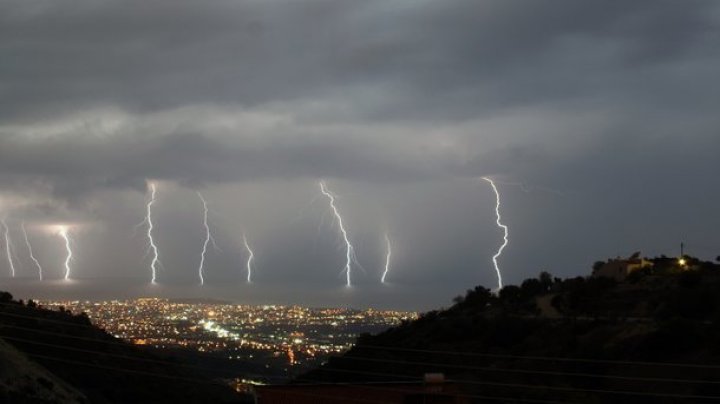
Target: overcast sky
x,y
597,118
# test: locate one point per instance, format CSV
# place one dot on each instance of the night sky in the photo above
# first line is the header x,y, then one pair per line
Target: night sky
x,y
598,120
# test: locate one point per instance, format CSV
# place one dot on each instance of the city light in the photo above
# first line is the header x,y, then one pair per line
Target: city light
x,y
272,330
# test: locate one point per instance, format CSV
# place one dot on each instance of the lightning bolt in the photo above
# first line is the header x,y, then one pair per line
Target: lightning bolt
x,y
388,256
251,257
208,238
349,249
151,242
502,226
63,232
30,250
8,247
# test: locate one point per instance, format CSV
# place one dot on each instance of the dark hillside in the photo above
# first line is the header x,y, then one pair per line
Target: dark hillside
x,y
22,381
651,338
103,368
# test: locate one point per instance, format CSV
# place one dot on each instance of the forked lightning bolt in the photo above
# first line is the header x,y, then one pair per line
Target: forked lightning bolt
x,y
502,226
250,259
30,250
150,226
63,232
8,247
208,239
388,256
349,249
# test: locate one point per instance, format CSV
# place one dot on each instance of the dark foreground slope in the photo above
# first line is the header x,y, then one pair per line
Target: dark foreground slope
x,y
653,338
61,358
23,381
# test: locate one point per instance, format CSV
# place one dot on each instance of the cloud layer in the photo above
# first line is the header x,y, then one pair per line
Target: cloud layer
x,y
606,110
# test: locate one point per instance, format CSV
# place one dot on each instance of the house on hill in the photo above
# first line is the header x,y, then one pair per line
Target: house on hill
x,y
620,268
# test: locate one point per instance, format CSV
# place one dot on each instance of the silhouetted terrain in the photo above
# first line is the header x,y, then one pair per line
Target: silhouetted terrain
x,y
651,338
55,357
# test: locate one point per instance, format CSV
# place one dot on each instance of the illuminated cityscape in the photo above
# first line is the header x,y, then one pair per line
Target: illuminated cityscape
x,y
284,339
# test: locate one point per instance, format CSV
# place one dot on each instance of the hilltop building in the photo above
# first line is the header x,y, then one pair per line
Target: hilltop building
x,y
620,268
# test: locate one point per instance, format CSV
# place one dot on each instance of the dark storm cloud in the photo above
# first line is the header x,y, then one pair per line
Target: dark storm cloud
x,y
610,102
641,63
455,57
72,166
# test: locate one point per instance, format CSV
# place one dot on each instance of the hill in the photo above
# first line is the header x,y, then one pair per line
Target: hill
x,y
56,357
22,381
650,338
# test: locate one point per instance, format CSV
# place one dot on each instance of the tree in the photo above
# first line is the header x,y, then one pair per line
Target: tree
x,y
546,280
532,287
478,297
510,294
5,297
597,265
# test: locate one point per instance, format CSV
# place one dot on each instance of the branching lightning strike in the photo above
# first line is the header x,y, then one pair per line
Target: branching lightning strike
x,y
388,257
63,232
151,242
250,259
208,239
502,226
30,250
8,247
349,249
